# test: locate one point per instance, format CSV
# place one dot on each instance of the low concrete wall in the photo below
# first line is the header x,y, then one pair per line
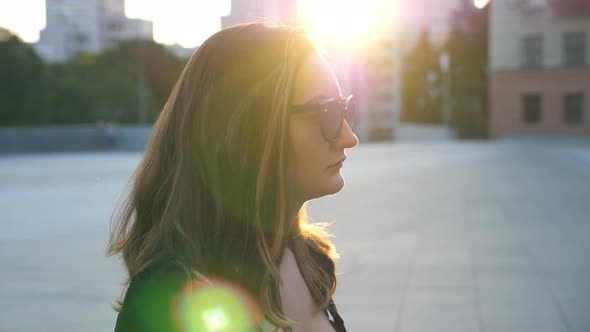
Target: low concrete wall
x,y
564,140
135,138
423,132
74,138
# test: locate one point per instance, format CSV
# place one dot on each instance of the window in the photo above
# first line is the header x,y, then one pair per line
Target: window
x,y
574,48
573,108
532,51
531,106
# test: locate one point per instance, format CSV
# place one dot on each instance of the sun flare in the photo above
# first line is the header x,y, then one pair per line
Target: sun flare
x,y
345,21
480,3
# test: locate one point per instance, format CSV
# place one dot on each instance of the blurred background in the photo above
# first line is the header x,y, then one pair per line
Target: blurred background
x,y
466,202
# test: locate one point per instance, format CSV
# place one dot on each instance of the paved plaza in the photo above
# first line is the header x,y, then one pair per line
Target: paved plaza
x,y
433,237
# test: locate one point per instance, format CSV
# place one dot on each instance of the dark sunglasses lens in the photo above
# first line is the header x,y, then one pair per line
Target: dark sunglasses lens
x,y
332,119
349,114
334,113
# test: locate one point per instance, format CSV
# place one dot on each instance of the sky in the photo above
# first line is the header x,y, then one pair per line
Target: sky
x,y
190,22
187,22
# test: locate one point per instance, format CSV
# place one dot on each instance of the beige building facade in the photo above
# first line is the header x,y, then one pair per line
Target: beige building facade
x,y
539,68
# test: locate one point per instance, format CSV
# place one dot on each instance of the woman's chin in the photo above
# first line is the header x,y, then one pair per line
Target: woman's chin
x,y
335,184
330,185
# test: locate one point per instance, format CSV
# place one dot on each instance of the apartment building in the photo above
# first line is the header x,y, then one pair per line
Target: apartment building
x,y
74,26
539,68
283,11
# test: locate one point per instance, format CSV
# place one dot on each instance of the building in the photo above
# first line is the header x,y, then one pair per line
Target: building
x,y
242,11
75,26
376,82
379,79
539,67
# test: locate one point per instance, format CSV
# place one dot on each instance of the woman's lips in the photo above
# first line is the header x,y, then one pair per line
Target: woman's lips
x,y
338,164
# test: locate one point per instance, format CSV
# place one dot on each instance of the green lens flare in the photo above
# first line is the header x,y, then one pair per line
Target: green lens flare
x,y
217,308
215,318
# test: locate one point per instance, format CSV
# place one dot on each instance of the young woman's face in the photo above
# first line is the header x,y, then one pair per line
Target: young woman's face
x,y
314,165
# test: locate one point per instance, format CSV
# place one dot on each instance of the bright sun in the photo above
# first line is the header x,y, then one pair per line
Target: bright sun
x,y
344,21
480,3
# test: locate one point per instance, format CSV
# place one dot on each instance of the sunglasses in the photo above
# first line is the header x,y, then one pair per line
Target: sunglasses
x,y
332,113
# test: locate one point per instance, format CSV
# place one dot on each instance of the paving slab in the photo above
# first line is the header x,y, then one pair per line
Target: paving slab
x,y
462,236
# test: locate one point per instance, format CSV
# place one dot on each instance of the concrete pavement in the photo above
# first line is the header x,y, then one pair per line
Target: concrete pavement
x,y
455,237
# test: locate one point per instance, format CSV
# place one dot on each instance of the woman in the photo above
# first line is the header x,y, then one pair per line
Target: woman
x,y
213,231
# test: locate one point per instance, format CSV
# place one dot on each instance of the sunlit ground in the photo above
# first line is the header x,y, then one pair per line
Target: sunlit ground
x,y
456,237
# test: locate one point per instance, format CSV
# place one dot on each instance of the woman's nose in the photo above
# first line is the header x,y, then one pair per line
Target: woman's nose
x,y
347,138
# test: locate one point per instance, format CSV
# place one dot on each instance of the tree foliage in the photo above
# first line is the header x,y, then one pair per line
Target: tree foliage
x,y
88,88
468,54
22,74
421,83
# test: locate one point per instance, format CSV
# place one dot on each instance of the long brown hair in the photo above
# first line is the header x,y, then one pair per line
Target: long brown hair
x,y
211,191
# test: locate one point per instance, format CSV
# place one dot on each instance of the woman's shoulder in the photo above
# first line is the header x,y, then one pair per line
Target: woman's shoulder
x,y
152,298
169,297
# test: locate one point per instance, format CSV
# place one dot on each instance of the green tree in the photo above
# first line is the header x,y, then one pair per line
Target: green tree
x,y
147,61
106,87
73,96
22,74
421,83
109,86
467,47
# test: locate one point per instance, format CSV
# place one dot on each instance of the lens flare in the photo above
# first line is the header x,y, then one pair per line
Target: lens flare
x,y
343,20
217,307
347,22
215,318
480,4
